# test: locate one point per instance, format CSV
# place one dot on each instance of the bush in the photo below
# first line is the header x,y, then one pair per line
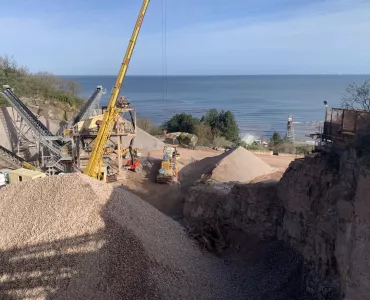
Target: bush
x,y
276,139
187,139
286,147
257,148
222,142
222,123
42,85
291,148
204,134
303,149
212,125
181,123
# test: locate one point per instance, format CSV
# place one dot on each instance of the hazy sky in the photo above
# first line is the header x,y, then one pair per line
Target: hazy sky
x,y
203,36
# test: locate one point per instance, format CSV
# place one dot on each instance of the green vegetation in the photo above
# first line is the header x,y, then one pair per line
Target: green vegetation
x,y
223,124
188,139
259,148
276,139
41,85
204,134
181,123
216,128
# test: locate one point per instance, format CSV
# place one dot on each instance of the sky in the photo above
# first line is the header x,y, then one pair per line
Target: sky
x,y
189,37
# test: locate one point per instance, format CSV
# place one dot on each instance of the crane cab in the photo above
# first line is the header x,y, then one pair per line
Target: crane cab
x,y
103,174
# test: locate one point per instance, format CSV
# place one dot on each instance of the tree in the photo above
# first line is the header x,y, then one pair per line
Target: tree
x,y
181,122
230,129
222,123
358,96
276,139
204,134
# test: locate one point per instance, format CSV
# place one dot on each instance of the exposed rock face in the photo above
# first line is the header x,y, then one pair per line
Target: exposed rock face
x,y
326,218
251,207
321,207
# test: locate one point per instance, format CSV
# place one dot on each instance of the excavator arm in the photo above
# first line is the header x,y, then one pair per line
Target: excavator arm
x,y
94,164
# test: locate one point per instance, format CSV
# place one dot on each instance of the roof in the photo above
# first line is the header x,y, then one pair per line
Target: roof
x,y
26,172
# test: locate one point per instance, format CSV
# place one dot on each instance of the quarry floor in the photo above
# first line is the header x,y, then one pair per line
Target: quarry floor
x,y
168,198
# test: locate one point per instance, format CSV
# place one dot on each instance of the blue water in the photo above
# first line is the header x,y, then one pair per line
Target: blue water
x,y
261,104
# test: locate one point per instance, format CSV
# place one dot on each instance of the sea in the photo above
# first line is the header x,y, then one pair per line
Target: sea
x,y
261,104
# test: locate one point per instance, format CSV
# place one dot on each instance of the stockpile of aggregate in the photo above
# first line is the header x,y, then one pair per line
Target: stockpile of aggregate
x,y
72,237
237,164
144,140
240,165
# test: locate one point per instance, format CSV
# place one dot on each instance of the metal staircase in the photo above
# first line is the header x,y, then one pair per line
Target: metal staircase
x,y
90,106
14,160
44,136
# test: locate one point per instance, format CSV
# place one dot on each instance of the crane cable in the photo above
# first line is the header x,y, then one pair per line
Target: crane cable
x,y
164,53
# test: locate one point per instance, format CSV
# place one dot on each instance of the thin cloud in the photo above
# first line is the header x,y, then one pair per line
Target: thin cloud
x,y
318,37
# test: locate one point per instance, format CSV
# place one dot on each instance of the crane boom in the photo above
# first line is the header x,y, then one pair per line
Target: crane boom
x,y
95,161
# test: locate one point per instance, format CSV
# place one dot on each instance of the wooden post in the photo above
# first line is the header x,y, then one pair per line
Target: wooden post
x,y
134,121
78,151
119,153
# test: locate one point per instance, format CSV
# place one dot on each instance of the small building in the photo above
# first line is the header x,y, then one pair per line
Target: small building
x,y
172,138
342,125
249,139
5,173
22,174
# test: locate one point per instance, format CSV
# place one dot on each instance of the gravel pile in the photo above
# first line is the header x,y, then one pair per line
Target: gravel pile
x,y
237,164
240,165
71,237
144,140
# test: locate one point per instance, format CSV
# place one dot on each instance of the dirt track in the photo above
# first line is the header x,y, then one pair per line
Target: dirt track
x,y
168,198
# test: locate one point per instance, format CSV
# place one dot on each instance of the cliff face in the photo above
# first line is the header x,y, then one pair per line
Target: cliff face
x,y
251,207
321,207
326,218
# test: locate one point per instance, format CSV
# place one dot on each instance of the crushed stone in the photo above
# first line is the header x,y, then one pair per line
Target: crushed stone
x,y
72,237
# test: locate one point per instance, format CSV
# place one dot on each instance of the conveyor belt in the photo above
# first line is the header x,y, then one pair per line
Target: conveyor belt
x,y
40,129
14,159
24,111
86,110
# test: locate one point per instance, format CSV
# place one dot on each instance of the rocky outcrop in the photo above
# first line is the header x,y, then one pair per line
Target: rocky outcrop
x,y
321,208
250,207
326,218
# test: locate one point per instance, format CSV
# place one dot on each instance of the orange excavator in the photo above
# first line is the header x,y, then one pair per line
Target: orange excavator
x,y
133,164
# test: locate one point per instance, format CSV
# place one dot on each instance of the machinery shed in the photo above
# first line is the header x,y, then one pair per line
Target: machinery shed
x,y
22,174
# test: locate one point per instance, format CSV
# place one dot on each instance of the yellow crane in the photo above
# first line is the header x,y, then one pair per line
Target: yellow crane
x,y
95,162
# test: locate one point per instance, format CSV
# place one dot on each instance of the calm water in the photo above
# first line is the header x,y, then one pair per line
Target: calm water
x,y
261,104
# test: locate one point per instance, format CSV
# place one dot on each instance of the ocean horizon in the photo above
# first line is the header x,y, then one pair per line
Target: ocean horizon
x,y
260,103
